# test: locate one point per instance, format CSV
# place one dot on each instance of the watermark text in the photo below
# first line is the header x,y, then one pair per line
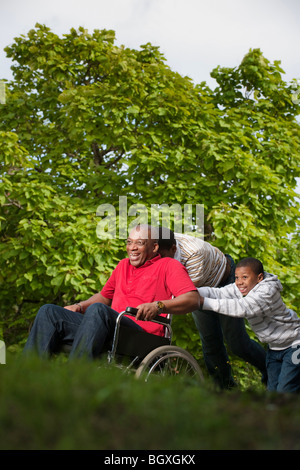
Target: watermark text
x,y
2,92
118,222
296,353
2,352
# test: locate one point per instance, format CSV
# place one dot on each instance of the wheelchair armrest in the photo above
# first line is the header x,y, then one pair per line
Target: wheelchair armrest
x,y
158,319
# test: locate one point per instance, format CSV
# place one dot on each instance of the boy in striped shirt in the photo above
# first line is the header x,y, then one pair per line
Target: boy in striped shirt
x,y
255,295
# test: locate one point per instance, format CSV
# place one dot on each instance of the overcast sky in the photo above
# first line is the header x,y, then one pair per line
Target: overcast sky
x,y
194,35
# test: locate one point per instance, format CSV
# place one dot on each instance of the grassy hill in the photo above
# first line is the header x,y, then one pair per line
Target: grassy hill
x,y
59,405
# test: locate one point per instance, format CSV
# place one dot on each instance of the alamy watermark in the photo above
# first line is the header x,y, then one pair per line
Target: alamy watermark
x,y
2,92
2,352
296,93
116,222
296,353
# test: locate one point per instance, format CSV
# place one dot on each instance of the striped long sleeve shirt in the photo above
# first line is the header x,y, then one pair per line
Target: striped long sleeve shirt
x,y
205,263
263,307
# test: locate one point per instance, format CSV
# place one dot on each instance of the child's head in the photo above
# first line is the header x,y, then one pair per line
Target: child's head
x,y
248,273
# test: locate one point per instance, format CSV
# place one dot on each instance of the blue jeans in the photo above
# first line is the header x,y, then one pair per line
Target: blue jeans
x,y
89,334
284,370
214,328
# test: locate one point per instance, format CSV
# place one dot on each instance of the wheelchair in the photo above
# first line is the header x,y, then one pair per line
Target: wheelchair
x,y
151,354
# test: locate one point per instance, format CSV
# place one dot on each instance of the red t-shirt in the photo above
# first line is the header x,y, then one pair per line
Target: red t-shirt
x,y
157,279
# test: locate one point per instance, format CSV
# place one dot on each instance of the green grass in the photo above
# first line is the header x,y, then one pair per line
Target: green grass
x,y
59,405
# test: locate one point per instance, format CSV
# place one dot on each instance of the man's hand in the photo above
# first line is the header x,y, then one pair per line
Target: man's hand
x,y
73,308
147,311
84,304
182,304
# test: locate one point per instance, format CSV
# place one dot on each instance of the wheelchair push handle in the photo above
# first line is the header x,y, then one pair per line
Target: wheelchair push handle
x,y
133,311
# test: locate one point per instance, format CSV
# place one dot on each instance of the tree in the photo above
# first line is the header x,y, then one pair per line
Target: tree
x,y
261,211
86,122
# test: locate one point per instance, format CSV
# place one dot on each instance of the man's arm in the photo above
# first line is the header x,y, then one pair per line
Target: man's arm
x,y
182,304
84,304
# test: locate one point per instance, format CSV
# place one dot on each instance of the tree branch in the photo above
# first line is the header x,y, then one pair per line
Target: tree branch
x,y
100,154
12,202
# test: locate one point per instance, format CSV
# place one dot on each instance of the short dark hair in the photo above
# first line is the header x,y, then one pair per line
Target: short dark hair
x,y
166,238
253,263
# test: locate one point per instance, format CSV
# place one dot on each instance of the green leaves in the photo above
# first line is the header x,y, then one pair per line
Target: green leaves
x,y
86,121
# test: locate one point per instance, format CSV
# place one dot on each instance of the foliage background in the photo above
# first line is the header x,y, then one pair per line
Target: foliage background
x,y
86,122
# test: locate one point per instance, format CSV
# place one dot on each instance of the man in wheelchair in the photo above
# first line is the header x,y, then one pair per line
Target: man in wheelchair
x,y
144,280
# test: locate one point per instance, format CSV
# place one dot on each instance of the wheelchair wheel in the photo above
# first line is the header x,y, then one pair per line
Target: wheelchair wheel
x,y
170,361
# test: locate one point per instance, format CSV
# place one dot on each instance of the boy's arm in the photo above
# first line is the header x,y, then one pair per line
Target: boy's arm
x,y
226,292
211,292
257,302
215,299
